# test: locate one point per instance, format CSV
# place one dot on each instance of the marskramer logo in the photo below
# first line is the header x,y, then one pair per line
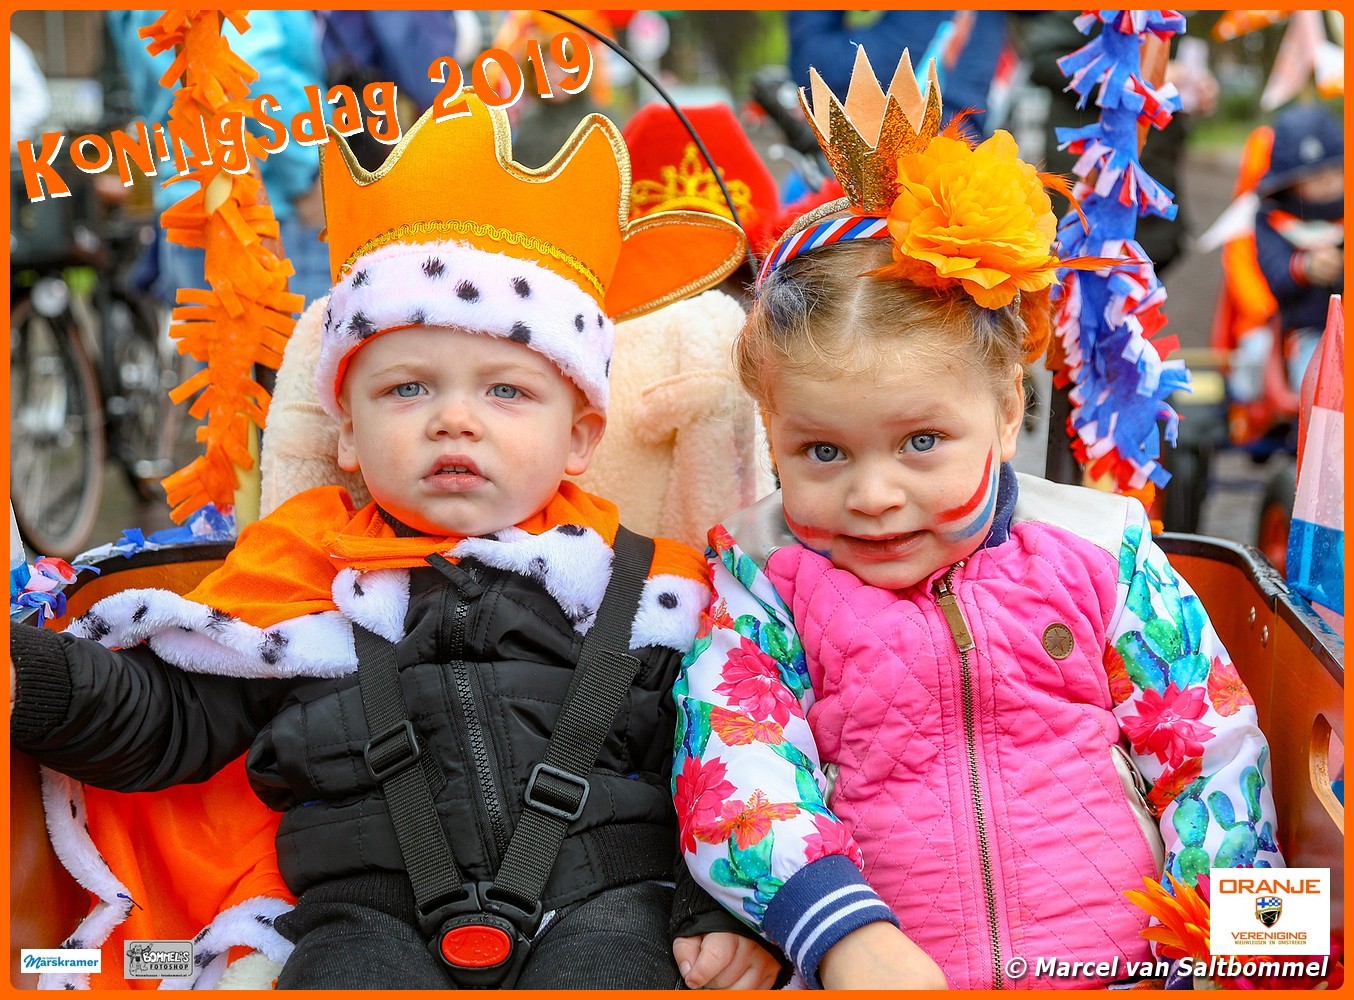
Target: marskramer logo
x,y
35,960
1269,911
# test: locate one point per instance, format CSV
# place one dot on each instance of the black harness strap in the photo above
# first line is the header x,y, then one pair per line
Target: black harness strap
x,y
391,754
556,791
558,787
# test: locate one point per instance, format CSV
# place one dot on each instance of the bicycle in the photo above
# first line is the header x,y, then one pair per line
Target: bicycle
x,y
90,364
56,414
138,364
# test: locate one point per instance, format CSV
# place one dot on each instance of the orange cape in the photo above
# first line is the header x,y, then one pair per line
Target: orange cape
x,y
187,854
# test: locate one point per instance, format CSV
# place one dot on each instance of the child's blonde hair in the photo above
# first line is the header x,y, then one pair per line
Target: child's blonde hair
x,y
823,313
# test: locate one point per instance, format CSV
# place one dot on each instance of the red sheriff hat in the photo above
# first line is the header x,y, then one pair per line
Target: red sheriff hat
x,y
668,171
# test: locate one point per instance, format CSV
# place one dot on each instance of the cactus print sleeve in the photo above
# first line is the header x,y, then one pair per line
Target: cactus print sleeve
x,y
1190,722
754,824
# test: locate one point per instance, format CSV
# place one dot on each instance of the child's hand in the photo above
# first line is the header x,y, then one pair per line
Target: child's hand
x,y
1325,265
879,956
724,960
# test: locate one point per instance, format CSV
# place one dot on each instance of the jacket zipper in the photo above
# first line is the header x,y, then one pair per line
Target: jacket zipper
x,y
477,742
963,641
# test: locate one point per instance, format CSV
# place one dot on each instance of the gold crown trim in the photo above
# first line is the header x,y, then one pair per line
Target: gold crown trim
x,y
814,216
691,185
864,137
480,230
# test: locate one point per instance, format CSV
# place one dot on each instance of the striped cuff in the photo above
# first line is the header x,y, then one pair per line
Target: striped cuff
x,y
821,904
1297,268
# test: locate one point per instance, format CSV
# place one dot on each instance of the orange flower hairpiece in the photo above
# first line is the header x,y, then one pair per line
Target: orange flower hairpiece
x,y
974,218
979,218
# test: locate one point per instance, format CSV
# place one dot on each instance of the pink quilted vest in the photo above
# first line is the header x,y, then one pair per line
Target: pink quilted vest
x,y
981,787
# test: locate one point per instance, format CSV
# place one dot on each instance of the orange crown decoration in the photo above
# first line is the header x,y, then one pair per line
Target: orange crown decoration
x,y
451,232
570,216
864,137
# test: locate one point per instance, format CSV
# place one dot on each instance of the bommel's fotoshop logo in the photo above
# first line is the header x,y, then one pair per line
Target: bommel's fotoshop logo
x,y
157,959
1269,911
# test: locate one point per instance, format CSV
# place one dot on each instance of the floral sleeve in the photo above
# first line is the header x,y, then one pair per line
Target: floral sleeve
x,y
1189,719
755,828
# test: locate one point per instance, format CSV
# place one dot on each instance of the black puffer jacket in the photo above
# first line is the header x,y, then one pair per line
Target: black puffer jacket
x,y
484,670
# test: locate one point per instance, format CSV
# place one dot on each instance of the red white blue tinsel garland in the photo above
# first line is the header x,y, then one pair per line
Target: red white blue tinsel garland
x,y
41,584
1107,321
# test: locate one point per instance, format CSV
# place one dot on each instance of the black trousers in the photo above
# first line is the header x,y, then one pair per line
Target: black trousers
x,y
618,939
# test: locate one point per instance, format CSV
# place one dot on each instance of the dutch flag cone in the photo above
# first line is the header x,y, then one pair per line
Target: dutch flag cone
x,y
1316,543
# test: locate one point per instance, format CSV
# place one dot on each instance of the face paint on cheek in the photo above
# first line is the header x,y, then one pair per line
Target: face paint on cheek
x,y
961,523
814,539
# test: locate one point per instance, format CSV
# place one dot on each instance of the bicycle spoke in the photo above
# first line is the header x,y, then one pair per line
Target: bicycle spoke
x,y
56,455
69,494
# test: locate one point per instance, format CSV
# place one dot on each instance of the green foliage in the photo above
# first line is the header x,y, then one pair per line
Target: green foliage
x,y
737,41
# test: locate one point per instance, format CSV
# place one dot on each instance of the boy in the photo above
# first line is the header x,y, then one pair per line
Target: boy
x,y
1299,226
399,673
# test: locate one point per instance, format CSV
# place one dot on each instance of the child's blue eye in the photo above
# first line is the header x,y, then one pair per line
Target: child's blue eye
x,y
408,390
825,452
505,392
922,442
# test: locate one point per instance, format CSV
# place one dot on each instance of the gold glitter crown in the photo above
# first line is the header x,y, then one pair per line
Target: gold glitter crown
x,y
863,137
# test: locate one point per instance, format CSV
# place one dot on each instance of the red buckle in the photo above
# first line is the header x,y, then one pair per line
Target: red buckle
x,y
475,946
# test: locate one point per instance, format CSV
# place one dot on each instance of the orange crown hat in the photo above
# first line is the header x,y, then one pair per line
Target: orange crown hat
x,y
450,231
670,173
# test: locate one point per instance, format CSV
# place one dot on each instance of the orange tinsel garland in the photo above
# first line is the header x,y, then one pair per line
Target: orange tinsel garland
x,y
245,317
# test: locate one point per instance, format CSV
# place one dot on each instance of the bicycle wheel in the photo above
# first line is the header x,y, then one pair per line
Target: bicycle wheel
x,y
56,433
1189,465
1276,515
143,423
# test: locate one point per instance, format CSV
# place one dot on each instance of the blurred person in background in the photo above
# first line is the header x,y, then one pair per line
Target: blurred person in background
x,y
366,46
283,46
29,103
827,40
1300,227
544,124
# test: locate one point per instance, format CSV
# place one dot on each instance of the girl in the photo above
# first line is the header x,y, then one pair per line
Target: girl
x,y
922,667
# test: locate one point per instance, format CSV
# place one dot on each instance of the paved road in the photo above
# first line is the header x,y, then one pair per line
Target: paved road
x,y
1232,504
